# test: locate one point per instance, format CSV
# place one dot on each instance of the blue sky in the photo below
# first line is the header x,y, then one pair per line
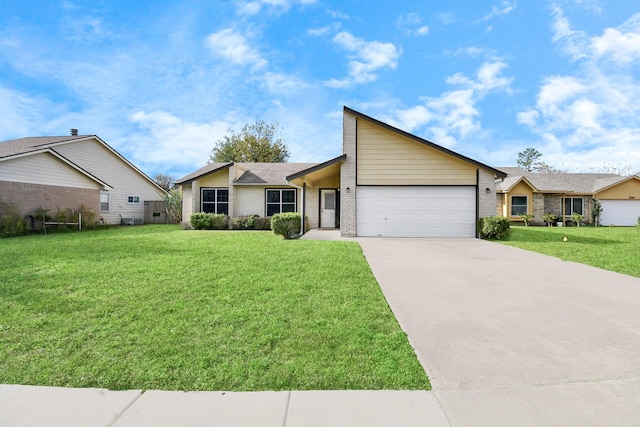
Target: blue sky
x,y
162,81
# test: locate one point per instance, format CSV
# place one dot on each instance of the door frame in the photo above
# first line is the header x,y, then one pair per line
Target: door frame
x,y
336,224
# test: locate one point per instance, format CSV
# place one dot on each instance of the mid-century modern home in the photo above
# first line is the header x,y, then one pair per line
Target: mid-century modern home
x,y
562,194
65,172
386,182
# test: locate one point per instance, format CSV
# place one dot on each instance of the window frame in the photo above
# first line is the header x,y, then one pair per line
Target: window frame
x,y
106,195
526,206
567,214
133,200
217,204
280,203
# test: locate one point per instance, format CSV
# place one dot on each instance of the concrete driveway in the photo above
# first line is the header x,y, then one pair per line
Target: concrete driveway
x,y
509,337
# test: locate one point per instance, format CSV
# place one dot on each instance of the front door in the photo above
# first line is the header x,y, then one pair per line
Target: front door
x,y
327,208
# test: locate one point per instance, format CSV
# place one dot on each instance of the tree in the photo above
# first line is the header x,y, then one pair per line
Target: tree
x,y
529,160
173,204
257,142
165,181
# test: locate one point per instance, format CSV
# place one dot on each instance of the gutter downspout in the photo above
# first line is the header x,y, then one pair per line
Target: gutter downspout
x,y
303,196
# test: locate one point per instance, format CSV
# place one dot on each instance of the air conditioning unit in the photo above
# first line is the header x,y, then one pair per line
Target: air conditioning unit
x,y
132,221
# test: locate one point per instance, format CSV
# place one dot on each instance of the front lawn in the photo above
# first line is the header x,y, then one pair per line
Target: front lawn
x,y
610,248
156,307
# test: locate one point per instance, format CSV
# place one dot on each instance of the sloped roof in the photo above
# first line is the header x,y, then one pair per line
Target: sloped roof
x,y
26,145
269,173
560,182
205,170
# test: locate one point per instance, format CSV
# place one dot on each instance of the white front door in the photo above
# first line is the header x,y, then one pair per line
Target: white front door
x,y
328,208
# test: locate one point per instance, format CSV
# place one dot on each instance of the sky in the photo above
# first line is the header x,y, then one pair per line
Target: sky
x,y
162,81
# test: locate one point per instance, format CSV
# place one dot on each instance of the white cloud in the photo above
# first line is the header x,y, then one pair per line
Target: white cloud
x,y
170,140
454,115
411,24
593,111
254,7
233,46
366,59
505,8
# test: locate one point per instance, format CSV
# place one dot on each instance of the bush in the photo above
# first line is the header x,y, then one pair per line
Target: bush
x,y
287,224
250,222
493,227
550,219
11,222
209,221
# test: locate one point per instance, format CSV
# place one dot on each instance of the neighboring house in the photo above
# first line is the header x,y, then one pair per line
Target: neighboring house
x,y
65,172
563,194
387,182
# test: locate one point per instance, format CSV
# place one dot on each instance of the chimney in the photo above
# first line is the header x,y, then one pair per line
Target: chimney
x,y
74,132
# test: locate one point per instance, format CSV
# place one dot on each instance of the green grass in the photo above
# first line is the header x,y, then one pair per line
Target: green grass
x,y
156,307
610,248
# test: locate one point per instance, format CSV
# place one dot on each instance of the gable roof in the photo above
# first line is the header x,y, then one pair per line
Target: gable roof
x,y
498,173
317,167
205,170
561,182
39,144
254,173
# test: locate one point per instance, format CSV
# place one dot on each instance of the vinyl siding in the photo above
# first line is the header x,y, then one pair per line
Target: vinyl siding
x,y
126,181
627,190
387,158
44,169
251,200
521,189
217,180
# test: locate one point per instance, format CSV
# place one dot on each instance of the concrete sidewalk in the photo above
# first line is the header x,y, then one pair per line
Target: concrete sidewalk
x,y
69,407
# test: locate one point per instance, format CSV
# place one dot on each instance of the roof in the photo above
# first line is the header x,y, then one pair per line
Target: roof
x,y
38,144
317,167
254,173
560,182
498,173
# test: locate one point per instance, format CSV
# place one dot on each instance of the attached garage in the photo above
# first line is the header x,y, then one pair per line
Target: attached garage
x,y
420,211
620,212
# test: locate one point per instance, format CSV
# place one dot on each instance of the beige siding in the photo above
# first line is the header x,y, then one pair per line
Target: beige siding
x,y
187,203
249,201
627,190
44,169
217,180
106,165
521,189
387,158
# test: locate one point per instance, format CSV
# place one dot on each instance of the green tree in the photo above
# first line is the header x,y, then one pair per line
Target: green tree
x,y
257,142
529,159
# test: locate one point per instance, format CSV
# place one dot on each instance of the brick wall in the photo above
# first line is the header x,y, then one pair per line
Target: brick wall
x,y
348,178
487,201
28,197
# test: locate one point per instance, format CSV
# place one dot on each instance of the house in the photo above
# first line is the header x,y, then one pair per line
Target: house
x,y
65,172
387,182
563,194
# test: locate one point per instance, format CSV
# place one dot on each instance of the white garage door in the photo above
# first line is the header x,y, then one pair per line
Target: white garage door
x,y
416,211
620,212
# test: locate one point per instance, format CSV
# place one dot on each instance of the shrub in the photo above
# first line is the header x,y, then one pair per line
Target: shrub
x,y
209,221
493,227
200,221
250,222
11,222
173,204
550,219
526,218
577,218
287,224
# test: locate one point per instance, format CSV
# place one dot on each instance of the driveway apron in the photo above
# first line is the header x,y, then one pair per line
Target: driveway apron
x,y
511,337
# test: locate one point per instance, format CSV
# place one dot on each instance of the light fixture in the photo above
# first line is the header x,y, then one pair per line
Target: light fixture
x,y
348,190
487,190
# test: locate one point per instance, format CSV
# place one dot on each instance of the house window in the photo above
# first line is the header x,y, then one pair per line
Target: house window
x,y
280,200
215,200
133,200
519,205
573,205
104,201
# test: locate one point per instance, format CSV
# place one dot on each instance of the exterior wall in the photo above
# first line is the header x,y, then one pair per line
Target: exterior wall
x,y
487,201
251,200
348,178
28,197
387,158
187,202
501,204
313,206
45,169
629,189
538,209
125,180
552,204
218,180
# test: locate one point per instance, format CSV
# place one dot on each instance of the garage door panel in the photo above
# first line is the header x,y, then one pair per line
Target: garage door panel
x,y
416,211
620,212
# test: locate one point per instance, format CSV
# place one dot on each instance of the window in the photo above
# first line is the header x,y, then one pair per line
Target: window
x,y
104,201
519,205
573,205
280,200
215,200
133,199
